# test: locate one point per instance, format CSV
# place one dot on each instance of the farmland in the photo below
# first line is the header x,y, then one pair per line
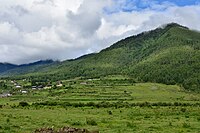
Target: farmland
x,y
109,105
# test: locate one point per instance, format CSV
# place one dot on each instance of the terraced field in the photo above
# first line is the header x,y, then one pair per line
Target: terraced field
x,y
106,105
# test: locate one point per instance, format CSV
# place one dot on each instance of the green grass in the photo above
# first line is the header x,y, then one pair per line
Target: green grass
x,y
107,120
157,119
138,92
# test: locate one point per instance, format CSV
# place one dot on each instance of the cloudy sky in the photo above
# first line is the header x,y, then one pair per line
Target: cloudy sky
x,y
32,30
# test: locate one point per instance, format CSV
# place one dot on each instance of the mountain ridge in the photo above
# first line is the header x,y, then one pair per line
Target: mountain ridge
x,y
4,67
169,54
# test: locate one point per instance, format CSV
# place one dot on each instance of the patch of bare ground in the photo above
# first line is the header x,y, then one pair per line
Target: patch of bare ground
x,y
64,130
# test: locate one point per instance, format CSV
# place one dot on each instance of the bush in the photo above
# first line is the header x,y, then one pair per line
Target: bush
x,y
90,104
77,123
7,120
91,122
23,104
130,125
170,123
186,125
183,109
110,112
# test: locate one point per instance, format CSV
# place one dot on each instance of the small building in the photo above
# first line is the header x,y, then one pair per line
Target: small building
x,y
40,87
24,91
83,83
47,87
9,94
18,86
34,87
59,85
5,95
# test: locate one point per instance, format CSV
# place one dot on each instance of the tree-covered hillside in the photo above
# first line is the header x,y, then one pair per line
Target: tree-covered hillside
x,y
7,69
169,55
6,66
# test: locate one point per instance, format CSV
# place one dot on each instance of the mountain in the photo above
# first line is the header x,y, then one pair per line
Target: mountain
x,y
169,54
41,62
7,68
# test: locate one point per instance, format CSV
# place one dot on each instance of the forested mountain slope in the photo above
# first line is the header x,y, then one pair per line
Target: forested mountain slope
x,y
6,66
169,55
7,69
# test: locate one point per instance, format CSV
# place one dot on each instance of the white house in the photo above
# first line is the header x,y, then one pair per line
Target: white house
x,y
24,92
18,86
59,85
5,95
34,87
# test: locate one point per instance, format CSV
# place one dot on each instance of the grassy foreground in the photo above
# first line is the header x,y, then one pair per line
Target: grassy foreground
x,y
106,120
108,105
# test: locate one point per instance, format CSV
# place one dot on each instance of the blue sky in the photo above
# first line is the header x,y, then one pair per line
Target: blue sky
x,y
181,2
139,5
176,2
131,5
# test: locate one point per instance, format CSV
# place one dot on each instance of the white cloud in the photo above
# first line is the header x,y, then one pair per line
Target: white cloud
x,y
63,29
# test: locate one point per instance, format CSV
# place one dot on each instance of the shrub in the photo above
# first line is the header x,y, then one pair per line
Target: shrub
x,y
183,109
91,122
104,120
187,116
7,120
23,104
186,125
147,116
66,104
77,123
110,112
170,123
90,104
145,104
130,125
177,104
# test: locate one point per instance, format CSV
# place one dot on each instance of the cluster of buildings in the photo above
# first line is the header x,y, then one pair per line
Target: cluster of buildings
x,y
21,89
16,84
5,95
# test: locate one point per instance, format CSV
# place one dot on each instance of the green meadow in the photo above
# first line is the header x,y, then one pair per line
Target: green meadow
x,y
108,105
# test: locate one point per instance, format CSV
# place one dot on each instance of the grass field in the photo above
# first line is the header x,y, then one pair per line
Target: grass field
x,y
108,105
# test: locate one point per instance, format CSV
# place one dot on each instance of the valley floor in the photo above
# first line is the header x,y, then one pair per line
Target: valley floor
x,y
106,105
106,120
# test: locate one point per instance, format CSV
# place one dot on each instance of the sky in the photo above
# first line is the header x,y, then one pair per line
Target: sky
x,y
32,30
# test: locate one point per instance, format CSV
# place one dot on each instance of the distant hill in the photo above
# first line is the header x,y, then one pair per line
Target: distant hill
x,y
41,62
12,69
169,54
6,66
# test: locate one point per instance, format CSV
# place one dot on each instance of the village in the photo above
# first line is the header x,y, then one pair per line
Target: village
x,y
9,88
